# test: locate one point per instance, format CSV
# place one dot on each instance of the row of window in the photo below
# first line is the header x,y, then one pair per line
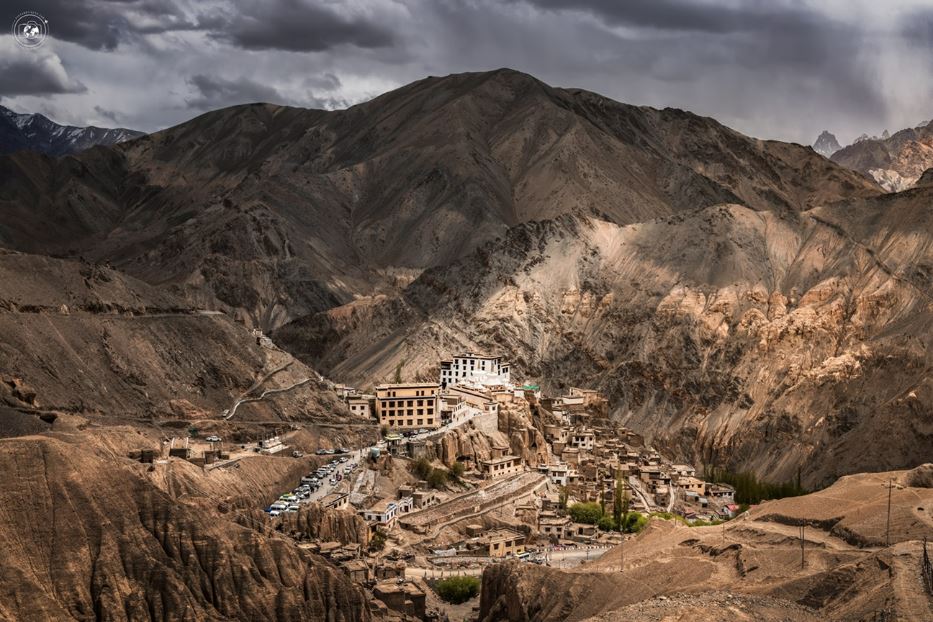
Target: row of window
x,y
409,423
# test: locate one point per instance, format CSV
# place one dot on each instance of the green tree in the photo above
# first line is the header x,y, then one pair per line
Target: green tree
x,y
377,542
398,373
562,496
605,523
634,522
588,513
618,502
421,468
437,478
457,469
457,590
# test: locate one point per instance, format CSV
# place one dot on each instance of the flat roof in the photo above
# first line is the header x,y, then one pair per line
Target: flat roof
x,y
508,458
404,385
504,534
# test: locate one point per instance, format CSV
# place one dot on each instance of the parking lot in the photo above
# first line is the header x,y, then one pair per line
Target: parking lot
x,y
333,476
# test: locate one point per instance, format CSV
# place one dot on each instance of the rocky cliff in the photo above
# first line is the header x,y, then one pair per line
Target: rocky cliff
x,y
895,162
93,539
747,339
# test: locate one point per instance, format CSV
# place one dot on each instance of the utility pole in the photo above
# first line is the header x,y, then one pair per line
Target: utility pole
x,y
887,529
802,533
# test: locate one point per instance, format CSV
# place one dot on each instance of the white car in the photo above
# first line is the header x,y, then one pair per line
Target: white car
x,y
213,439
274,512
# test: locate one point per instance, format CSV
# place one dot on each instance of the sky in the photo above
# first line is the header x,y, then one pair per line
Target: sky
x,y
782,69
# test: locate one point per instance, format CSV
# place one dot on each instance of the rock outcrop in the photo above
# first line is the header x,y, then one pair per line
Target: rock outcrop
x,y
751,340
93,539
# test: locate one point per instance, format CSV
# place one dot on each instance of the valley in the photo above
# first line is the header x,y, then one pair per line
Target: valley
x,y
581,359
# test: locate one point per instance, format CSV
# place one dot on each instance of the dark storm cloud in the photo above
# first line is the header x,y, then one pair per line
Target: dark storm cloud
x,y
298,26
106,114
29,76
777,68
103,24
685,14
214,92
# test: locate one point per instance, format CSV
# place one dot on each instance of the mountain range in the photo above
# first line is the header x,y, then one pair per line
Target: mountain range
x,y
746,303
35,132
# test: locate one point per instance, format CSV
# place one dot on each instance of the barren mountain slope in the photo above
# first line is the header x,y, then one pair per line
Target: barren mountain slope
x,y
91,538
740,338
895,162
83,338
274,212
751,565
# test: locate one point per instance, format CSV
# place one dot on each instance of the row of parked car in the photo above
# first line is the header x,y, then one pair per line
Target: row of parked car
x,y
331,472
331,452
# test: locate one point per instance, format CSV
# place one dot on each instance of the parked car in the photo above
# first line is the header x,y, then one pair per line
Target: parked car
x,y
333,481
321,452
343,450
274,512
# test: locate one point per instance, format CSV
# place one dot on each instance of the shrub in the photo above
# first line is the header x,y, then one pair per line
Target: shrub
x,y
437,478
634,522
588,513
377,542
421,468
457,590
457,470
606,523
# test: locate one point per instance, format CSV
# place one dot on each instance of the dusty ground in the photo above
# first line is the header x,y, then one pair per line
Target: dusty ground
x,y
844,576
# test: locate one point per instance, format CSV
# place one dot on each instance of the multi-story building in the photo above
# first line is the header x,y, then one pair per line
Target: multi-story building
x,y
501,467
505,542
412,405
475,369
361,404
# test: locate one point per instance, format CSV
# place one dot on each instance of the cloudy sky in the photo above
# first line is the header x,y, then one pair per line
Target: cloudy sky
x,y
771,68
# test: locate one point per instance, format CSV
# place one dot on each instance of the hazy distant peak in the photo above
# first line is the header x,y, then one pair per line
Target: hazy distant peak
x,y
826,144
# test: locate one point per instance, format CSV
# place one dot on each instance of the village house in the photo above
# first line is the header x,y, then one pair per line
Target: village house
x,y
583,440
336,500
581,532
385,512
453,408
505,542
721,493
357,570
476,397
692,484
475,369
557,473
728,511
407,406
500,467
405,598
683,470
362,405
551,525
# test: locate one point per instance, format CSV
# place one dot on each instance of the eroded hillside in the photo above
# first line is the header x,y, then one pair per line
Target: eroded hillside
x,y
763,340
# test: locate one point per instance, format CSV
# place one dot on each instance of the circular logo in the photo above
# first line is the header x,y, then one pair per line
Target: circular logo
x,y
30,29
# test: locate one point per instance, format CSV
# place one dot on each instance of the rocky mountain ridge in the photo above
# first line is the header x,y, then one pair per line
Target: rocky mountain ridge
x,y
35,132
783,343
895,161
271,213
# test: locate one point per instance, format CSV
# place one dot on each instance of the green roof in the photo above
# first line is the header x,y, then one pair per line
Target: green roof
x,y
531,387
